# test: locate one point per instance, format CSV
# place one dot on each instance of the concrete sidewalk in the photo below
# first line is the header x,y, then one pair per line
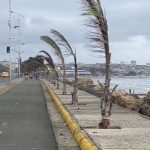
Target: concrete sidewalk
x,y
135,129
24,121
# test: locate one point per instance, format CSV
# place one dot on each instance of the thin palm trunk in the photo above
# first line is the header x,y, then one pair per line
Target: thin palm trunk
x,y
57,83
64,92
51,76
75,89
57,79
64,43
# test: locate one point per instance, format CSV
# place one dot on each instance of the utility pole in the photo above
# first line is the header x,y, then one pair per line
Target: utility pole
x,y
9,24
19,60
9,49
19,40
20,43
18,26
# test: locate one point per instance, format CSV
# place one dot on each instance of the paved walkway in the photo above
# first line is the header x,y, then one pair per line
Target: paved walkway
x,y
24,122
135,129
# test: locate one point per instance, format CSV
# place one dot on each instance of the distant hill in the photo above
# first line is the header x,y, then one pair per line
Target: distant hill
x,y
3,68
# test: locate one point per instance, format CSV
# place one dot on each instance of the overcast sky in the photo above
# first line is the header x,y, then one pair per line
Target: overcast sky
x,y
128,21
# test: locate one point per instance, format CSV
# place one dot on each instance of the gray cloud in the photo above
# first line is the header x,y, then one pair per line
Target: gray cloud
x,y
127,18
128,27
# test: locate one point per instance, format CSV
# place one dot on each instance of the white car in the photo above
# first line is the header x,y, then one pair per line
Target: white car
x,y
26,77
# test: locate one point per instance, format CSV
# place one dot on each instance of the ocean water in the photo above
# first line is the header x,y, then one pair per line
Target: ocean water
x,y
139,85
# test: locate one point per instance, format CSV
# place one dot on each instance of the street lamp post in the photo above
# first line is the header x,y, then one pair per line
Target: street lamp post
x,y
9,24
20,43
19,64
19,58
16,27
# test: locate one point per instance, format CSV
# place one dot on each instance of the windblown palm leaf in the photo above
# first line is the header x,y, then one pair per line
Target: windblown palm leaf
x,y
98,22
48,58
65,44
50,63
62,41
53,44
57,51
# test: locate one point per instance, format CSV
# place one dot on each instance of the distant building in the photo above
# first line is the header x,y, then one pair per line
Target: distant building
x,y
148,64
80,72
122,63
133,63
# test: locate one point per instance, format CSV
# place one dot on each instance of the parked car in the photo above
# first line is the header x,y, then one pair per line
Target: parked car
x,y
26,77
4,75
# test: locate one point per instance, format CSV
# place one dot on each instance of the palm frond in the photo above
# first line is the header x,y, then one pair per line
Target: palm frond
x,y
49,60
97,22
48,57
47,54
52,43
62,41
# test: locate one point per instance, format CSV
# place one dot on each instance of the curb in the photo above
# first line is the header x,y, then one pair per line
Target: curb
x,y
81,138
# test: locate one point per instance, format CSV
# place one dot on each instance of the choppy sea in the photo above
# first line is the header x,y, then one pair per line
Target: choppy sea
x,y
138,84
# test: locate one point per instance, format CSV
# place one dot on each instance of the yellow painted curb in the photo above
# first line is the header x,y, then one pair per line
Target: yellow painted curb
x,y
84,142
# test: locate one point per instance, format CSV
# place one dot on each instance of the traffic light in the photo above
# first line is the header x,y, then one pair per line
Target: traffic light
x,y
8,49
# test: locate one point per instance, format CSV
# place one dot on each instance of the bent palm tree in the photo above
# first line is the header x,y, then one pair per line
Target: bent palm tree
x,y
52,66
63,42
58,53
100,38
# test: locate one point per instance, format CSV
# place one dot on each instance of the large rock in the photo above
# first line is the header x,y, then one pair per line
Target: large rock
x,y
147,98
145,108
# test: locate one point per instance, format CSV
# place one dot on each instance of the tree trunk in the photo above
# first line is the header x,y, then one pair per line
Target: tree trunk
x,y
106,101
74,93
64,92
105,123
57,83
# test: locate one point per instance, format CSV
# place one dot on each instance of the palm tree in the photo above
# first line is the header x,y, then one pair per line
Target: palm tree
x,y
52,66
58,53
65,44
98,22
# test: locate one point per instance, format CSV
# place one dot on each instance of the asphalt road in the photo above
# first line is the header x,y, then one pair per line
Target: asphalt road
x,y
24,121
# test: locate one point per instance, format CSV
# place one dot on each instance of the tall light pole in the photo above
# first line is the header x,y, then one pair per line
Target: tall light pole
x,y
19,38
19,63
19,59
9,24
19,50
